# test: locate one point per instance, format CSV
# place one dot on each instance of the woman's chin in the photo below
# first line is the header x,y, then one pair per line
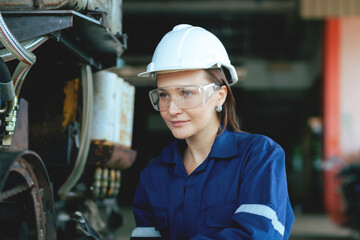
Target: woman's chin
x,y
180,135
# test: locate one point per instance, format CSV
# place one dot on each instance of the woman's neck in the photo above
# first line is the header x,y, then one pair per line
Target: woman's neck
x,y
198,148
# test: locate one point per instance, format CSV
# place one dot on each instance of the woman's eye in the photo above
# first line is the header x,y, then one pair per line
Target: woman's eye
x,y
187,93
163,95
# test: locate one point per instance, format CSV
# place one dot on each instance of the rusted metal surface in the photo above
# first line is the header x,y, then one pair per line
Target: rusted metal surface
x,y
127,114
108,99
20,139
10,4
78,5
121,157
113,113
71,92
34,182
13,192
112,8
111,155
45,193
24,169
88,38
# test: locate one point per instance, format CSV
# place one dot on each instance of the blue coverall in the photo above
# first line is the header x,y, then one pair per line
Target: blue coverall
x,y
238,192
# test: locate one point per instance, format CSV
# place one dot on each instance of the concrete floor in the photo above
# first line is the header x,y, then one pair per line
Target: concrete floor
x,y
318,227
125,230
306,227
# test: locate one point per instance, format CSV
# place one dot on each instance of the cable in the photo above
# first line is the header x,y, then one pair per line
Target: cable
x,y
26,58
29,45
87,87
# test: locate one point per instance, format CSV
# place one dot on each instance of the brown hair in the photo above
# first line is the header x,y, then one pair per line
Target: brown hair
x,y
227,116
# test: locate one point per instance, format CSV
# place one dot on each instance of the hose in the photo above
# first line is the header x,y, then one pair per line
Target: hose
x,y
19,76
10,43
29,45
6,85
26,58
85,134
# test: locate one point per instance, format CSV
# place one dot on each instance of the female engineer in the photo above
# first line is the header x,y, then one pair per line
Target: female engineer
x,y
213,181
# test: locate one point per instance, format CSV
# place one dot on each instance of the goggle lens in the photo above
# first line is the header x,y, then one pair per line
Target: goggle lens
x,y
182,96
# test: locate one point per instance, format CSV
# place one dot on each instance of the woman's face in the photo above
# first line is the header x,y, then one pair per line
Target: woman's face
x,y
188,122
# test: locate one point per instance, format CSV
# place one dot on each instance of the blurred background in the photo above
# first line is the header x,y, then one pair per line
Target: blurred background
x,y
298,67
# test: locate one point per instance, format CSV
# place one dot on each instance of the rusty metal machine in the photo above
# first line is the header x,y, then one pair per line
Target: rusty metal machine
x,y
62,147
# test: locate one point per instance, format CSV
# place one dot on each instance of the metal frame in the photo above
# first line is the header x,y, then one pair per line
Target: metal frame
x,y
34,183
87,37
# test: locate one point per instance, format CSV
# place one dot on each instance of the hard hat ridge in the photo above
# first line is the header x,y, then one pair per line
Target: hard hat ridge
x,y
188,48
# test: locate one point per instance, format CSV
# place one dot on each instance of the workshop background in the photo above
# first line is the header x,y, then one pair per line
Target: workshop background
x,y
82,128
298,67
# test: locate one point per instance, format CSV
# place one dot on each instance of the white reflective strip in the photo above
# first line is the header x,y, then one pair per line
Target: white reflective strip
x,y
265,211
145,232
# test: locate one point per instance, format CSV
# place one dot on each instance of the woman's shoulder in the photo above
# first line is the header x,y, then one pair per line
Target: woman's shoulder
x,y
152,171
255,140
166,156
258,149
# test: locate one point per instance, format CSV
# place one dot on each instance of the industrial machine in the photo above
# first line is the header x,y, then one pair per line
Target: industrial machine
x,y
65,118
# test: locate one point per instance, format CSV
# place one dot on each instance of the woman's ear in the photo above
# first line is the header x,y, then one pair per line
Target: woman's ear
x,y
221,96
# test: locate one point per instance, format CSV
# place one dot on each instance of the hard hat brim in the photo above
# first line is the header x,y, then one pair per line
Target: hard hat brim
x,y
152,74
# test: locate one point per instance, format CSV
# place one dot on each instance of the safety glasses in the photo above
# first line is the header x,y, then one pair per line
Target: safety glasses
x,y
186,96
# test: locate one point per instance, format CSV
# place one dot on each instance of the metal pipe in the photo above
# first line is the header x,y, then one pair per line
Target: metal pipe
x,y
26,58
8,107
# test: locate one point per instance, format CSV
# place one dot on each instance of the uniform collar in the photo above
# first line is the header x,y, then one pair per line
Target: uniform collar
x,y
224,147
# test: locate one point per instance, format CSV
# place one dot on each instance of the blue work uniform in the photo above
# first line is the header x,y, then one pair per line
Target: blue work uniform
x,y
238,192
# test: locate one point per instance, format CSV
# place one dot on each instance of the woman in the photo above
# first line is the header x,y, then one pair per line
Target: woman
x,y
213,181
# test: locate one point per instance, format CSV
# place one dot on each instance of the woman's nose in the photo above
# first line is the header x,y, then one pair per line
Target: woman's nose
x,y
173,108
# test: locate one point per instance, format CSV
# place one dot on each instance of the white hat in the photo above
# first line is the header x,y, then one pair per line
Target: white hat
x,y
188,48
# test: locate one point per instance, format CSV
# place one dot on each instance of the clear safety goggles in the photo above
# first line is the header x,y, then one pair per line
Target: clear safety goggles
x,y
187,96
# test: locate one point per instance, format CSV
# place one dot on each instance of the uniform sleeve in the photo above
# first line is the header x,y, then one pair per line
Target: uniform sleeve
x,y
143,218
264,210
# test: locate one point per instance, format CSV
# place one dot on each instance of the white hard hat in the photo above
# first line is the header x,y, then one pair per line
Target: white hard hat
x,y
187,48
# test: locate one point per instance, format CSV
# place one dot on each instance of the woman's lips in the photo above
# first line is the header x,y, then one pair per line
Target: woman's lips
x,y
178,123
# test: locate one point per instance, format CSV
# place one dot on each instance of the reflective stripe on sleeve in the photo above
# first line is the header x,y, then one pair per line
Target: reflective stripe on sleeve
x,y
145,232
264,211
